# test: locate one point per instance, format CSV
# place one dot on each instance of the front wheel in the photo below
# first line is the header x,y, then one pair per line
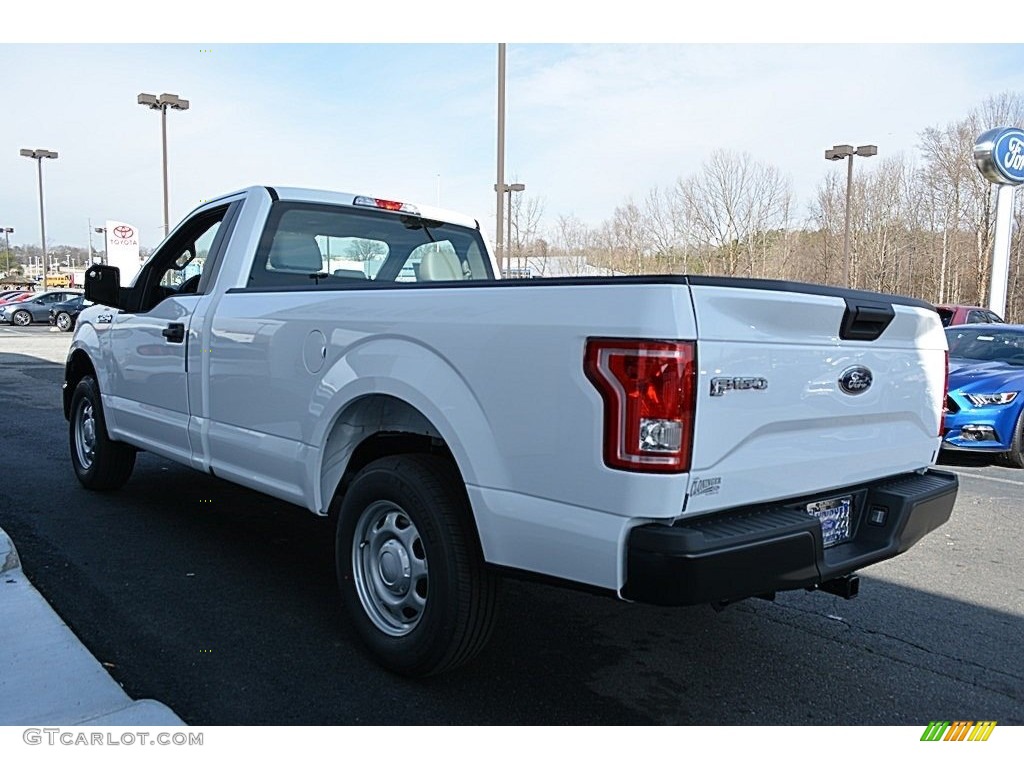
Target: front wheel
x,y
101,464
22,318
410,570
1015,455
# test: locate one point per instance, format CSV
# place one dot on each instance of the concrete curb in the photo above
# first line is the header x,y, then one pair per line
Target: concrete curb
x,y
47,677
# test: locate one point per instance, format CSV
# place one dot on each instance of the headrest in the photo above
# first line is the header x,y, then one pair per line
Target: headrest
x,y
295,252
441,265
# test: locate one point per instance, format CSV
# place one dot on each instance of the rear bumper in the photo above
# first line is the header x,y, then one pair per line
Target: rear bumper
x,y
758,550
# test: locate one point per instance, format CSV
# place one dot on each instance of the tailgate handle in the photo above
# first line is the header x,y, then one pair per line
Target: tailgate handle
x,y
865,320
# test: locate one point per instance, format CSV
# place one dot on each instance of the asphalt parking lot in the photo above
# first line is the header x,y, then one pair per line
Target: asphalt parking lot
x,y
221,603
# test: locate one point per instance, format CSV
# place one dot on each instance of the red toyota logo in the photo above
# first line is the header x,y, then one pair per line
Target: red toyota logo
x,y
124,232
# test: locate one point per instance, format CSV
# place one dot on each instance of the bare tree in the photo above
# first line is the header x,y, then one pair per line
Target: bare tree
x,y
523,238
730,204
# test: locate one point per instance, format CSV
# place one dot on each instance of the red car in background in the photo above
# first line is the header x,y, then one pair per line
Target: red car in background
x,y
959,314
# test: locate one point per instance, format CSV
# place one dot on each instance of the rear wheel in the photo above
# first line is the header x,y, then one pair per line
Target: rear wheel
x,y
410,570
101,464
1016,453
22,318
63,321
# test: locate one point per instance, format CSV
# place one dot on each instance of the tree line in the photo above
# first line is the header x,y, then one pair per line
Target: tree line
x,y
919,226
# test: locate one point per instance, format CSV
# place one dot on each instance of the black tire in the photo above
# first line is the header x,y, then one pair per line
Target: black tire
x,y
63,322
415,504
22,318
1015,456
101,464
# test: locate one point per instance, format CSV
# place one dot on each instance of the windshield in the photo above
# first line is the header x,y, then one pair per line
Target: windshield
x,y
1004,346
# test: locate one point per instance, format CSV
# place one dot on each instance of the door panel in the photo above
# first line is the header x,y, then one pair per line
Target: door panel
x,y
148,396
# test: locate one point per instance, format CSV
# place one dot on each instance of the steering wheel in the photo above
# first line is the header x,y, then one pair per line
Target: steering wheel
x,y
190,285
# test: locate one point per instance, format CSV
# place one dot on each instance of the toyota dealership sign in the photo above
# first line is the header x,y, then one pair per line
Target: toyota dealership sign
x,y
123,249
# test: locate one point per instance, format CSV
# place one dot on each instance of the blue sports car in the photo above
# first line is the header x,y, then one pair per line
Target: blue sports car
x,y
985,407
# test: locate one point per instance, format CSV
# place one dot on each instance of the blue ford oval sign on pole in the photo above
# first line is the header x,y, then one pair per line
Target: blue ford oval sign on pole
x,y
999,155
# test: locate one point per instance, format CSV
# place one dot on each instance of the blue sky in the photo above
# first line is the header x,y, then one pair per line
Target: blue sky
x,y
588,124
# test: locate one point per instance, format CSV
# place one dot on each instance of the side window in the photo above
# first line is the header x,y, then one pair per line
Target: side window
x,y
177,267
187,268
975,316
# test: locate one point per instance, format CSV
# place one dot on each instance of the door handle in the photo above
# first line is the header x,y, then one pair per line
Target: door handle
x,y
174,333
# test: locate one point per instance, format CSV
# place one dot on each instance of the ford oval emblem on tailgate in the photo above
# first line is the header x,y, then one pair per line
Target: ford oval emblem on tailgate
x,y
855,380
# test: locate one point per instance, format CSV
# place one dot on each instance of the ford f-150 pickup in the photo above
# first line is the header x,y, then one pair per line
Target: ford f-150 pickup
x,y
676,440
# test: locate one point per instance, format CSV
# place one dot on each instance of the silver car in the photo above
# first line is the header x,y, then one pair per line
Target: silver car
x,y
36,309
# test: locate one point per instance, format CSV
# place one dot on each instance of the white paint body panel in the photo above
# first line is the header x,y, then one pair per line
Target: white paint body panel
x,y
803,434
496,371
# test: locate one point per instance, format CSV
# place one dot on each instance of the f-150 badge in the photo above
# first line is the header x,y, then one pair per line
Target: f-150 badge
x,y
721,385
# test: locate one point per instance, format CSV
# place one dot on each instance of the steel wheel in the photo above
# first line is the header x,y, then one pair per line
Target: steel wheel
x,y
389,568
85,434
100,464
63,321
398,513
22,318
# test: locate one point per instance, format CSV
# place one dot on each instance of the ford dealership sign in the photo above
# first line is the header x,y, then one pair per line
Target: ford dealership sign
x,y
999,154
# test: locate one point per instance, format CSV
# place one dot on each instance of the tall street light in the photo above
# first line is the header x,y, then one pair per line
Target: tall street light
x,y
39,155
161,103
840,152
499,187
7,239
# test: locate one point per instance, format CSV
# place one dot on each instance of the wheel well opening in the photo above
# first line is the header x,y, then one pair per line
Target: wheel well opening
x,y
382,444
77,368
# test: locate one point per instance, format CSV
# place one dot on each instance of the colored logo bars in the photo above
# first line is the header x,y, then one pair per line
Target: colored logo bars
x,y
961,730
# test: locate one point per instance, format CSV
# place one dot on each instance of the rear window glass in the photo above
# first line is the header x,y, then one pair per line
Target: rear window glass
x,y
946,316
314,245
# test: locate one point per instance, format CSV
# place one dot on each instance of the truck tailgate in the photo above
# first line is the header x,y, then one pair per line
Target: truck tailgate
x,y
799,393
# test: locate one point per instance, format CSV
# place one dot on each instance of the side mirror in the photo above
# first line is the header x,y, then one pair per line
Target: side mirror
x,y
103,285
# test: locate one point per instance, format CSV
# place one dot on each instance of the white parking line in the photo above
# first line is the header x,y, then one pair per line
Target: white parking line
x,y
994,479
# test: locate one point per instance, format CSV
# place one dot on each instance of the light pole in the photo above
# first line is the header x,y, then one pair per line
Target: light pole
x,y
7,250
103,231
161,103
499,187
839,152
39,155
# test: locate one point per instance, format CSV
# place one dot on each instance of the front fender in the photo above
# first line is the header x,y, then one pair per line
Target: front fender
x,y
85,348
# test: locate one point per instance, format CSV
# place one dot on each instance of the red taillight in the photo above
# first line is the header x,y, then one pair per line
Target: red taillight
x,y
649,393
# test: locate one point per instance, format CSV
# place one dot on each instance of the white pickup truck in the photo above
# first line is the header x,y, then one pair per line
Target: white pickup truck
x,y
674,440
